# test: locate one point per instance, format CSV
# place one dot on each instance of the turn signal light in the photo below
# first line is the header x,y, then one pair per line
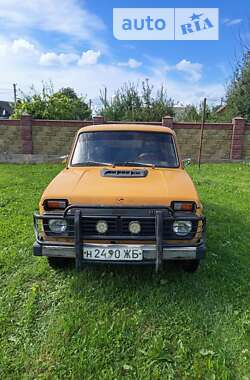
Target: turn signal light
x,y
183,206
55,204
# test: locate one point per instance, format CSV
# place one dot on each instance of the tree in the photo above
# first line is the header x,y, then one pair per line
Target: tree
x,y
69,92
189,113
61,105
132,102
192,113
237,97
238,92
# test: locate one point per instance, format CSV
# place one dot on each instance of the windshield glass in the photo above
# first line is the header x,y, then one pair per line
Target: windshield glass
x,y
125,147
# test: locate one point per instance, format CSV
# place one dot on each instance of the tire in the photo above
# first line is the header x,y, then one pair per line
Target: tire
x,y
59,262
190,266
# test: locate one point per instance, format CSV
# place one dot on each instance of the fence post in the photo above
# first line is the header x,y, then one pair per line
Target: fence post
x,y
237,138
26,133
167,121
98,119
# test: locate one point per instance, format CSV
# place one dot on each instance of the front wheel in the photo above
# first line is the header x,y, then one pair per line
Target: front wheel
x,y
59,262
190,266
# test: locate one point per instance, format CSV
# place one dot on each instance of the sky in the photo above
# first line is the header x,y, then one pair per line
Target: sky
x,y
71,43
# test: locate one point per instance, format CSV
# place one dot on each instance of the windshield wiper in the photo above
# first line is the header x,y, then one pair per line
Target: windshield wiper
x,y
133,163
93,163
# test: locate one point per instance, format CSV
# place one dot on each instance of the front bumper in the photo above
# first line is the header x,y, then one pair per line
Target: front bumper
x,y
155,253
149,252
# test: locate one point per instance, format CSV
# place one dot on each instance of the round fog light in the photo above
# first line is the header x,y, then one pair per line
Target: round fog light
x,y
134,227
182,227
101,226
57,226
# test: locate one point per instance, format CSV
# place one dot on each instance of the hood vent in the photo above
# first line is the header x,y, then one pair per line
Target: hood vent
x,y
135,173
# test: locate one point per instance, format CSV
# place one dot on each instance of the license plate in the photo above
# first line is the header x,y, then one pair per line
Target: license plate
x,y
113,253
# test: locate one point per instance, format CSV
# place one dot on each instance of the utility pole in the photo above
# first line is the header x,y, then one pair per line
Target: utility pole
x,y
105,97
202,130
14,89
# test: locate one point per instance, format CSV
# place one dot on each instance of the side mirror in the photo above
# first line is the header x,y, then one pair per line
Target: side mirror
x,y
186,162
64,159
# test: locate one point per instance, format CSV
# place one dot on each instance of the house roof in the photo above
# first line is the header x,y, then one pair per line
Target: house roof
x,y
221,109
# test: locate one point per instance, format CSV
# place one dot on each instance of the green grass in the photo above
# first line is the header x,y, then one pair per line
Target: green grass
x,y
115,323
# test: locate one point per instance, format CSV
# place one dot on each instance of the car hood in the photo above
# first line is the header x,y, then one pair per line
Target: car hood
x,y
88,186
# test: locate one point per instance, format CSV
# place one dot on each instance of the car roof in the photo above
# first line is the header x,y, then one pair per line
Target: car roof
x,y
126,127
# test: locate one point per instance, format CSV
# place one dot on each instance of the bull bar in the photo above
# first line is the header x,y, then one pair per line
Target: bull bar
x,y
77,212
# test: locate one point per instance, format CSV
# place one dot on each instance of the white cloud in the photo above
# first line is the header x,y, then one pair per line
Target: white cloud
x,y
26,64
69,17
23,50
158,66
131,63
89,57
23,46
231,22
51,59
193,70
19,49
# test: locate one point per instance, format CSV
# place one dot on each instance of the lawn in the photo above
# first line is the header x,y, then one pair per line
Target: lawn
x,y
126,323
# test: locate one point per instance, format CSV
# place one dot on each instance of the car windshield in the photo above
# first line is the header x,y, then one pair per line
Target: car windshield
x,y
125,148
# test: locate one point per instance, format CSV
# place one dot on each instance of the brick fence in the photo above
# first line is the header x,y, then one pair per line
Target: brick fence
x,y
35,140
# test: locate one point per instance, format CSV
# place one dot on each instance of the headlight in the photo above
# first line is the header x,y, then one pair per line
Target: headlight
x,y
134,227
182,227
101,226
57,226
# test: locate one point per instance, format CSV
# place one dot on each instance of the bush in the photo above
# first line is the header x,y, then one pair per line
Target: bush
x,y
61,105
130,103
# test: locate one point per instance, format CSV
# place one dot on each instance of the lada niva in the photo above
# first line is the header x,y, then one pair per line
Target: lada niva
x,y
124,197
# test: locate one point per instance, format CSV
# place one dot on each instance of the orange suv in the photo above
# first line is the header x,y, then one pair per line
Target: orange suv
x,y
124,197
